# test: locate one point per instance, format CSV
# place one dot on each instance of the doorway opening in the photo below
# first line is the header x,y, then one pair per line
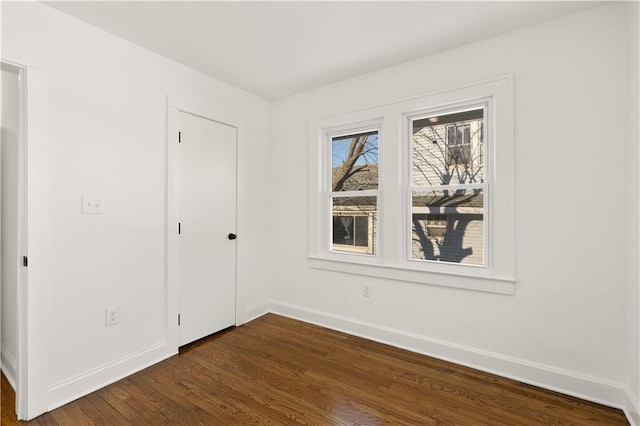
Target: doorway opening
x,y
12,224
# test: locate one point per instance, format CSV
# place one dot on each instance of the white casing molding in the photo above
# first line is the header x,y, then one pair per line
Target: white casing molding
x,y
631,408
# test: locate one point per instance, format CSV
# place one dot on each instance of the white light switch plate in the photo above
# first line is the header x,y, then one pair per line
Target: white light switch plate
x,y
92,205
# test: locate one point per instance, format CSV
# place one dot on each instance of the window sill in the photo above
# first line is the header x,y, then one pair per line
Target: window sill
x,y
489,284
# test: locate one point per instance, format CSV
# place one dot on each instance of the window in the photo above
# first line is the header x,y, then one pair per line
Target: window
x,y
448,181
353,191
458,144
434,225
418,190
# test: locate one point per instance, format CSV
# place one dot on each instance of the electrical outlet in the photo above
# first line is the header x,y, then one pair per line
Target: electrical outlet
x,y
112,315
366,290
92,205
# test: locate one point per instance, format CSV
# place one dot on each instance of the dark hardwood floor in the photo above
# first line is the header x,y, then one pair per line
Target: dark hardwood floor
x,y
278,371
7,398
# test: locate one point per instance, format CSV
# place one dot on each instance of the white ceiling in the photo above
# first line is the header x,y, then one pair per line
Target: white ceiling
x,y
274,49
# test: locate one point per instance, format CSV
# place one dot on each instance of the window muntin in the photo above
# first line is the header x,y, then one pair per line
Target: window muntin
x,y
354,192
447,179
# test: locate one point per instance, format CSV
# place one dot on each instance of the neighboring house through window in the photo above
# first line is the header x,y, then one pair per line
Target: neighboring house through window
x,y
418,190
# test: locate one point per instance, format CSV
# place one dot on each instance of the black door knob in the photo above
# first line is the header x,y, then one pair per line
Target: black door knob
x,y
232,236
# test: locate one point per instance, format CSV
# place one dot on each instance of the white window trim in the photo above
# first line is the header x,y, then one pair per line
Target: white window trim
x,y
392,260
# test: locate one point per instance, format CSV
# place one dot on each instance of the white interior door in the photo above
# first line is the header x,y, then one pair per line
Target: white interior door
x,y
207,217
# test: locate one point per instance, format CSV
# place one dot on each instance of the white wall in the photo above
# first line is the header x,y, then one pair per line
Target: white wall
x,y
9,152
107,115
633,221
565,326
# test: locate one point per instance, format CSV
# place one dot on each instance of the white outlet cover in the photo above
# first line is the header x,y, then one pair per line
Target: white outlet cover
x,y
92,205
366,290
111,316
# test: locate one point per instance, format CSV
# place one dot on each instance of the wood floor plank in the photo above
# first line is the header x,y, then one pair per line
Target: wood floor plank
x,y
331,369
278,371
72,414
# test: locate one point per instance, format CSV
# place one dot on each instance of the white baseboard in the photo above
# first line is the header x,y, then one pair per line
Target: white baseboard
x,y
83,384
563,381
631,408
256,311
9,366
76,387
567,382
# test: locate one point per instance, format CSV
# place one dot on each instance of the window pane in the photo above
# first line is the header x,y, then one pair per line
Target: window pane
x,y
448,226
354,224
354,162
447,149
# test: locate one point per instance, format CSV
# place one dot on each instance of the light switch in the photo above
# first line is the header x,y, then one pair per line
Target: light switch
x,y
92,205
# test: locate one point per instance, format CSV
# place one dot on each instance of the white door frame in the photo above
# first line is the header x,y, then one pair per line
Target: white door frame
x,y
34,217
172,282
19,375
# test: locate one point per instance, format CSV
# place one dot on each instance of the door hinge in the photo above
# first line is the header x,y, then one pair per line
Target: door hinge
x,y
178,319
25,261
179,137
179,228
